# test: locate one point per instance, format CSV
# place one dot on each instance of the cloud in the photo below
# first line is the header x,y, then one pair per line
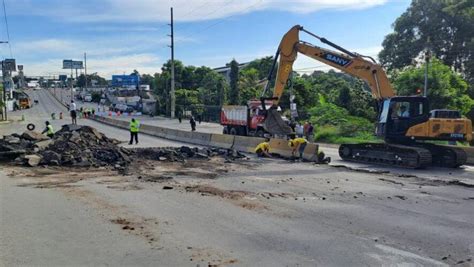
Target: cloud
x,y
184,10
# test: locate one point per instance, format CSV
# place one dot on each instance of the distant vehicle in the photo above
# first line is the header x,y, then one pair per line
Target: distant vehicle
x,y
121,108
87,98
24,100
244,120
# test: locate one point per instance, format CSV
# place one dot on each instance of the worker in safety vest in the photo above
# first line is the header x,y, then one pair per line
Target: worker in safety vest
x,y
298,144
134,126
48,130
263,149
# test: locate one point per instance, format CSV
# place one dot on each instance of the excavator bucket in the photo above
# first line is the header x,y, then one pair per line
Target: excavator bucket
x,y
274,124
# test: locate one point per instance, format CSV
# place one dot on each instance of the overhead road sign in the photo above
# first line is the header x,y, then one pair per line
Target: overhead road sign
x,y
72,64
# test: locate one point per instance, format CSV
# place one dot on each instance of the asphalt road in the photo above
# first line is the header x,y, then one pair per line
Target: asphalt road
x,y
256,213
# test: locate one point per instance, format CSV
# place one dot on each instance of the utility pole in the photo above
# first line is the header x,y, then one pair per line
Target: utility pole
x,y
72,78
5,108
172,92
427,62
85,70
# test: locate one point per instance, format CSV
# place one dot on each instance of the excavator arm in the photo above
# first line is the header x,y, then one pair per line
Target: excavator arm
x,y
346,61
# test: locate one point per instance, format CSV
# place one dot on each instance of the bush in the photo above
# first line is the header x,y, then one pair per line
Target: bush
x,y
334,124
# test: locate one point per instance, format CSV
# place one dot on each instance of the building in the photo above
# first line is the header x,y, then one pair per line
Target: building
x,y
226,70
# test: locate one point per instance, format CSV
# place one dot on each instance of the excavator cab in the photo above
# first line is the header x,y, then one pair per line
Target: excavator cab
x,y
399,114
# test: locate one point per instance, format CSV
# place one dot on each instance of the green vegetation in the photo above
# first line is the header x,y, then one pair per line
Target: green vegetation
x,y
446,88
335,124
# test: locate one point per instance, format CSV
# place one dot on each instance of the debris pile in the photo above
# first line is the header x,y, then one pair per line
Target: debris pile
x,y
84,146
184,152
73,145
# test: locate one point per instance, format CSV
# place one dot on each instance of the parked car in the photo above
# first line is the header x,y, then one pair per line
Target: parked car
x,y
88,98
121,107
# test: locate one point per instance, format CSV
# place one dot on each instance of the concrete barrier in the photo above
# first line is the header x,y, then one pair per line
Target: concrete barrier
x,y
280,146
171,134
153,130
202,139
184,136
246,143
311,152
222,140
240,143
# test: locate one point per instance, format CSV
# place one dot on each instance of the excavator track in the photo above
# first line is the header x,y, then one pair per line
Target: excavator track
x,y
387,154
445,156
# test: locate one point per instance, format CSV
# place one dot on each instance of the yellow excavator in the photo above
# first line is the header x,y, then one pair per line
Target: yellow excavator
x,y
404,122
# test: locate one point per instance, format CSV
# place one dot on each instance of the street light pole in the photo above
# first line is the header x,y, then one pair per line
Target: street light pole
x,y
172,91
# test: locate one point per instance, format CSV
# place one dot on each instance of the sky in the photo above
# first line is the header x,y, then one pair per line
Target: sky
x,y
122,35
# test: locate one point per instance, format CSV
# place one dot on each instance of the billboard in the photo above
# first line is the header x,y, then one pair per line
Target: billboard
x,y
77,65
125,80
67,64
20,67
9,64
71,64
63,78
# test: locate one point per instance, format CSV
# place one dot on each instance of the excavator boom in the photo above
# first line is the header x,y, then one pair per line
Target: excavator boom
x,y
345,61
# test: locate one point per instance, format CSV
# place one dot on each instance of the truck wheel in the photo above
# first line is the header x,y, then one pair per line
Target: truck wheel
x,y
225,131
233,131
259,133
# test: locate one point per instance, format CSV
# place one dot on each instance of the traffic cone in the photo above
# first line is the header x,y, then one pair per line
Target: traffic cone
x,y
22,117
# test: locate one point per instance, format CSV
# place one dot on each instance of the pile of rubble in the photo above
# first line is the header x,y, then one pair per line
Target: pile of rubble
x,y
73,145
84,146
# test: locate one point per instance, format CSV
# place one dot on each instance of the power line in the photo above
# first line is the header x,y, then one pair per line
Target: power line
x,y
224,19
205,15
8,32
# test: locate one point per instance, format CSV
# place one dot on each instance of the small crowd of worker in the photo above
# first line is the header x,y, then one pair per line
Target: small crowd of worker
x,y
306,130
297,145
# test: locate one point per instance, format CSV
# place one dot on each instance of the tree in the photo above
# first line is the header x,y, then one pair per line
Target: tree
x,y
81,80
446,89
248,85
445,27
234,94
262,65
344,99
147,79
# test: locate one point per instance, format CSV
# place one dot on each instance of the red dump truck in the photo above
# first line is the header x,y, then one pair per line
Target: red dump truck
x,y
244,120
